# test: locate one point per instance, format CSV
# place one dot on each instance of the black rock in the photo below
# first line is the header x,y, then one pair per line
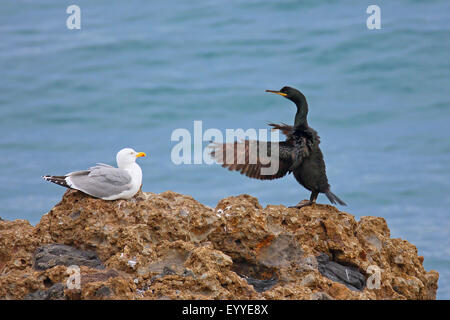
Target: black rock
x,y
55,292
51,255
103,291
261,277
261,285
350,276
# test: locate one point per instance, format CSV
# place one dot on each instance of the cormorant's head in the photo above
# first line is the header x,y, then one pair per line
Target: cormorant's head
x,y
290,93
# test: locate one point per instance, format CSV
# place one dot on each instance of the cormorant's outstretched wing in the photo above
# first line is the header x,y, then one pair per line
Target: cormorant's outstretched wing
x,y
254,158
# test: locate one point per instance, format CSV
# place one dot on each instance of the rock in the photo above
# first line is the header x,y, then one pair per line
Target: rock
x,y
169,246
55,292
51,255
320,296
350,276
261,285
103,291
309,280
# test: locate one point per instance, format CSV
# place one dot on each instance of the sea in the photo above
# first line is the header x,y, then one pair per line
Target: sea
x,y
377,84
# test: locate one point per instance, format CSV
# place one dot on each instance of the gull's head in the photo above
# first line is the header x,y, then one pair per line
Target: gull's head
x,y
127,156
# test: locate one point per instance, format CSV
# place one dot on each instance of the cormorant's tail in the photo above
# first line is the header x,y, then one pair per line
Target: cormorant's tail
x,y
334,198
59,180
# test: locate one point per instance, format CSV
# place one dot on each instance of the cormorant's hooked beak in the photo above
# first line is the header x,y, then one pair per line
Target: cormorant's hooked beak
x,y
141,154
277,92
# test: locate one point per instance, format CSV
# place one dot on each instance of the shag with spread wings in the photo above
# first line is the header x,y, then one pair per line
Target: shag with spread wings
x,y
298,154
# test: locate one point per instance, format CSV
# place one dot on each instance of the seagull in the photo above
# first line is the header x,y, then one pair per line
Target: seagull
x,y
104,181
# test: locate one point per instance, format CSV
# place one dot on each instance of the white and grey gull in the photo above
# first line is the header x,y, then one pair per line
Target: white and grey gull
x,y
104,181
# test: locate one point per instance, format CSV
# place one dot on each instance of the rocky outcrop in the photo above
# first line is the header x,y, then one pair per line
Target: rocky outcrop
x,y
169,246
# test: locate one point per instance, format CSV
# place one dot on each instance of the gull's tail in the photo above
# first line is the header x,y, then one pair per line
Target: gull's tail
x,y
334,198
59,180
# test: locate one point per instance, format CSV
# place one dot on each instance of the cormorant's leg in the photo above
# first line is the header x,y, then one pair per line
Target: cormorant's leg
x,y
305,203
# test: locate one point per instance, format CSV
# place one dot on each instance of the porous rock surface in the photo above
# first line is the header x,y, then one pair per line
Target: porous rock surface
x,y
169,246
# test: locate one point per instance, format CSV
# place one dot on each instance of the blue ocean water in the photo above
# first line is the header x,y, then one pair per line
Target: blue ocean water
x,y
137,70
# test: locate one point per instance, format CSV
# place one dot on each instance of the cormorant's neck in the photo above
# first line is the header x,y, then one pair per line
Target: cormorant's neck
x,y
301,120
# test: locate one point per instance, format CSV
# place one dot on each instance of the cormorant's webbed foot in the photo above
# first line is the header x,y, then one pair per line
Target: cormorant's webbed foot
x,y
303,203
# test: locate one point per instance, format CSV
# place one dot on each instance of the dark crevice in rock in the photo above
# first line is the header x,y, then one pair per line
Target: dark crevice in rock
x,y
48,283
259,276
188,273
335,253
396,289
336,257
345,274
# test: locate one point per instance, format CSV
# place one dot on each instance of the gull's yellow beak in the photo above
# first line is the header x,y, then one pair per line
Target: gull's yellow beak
x,y
141,154
277,92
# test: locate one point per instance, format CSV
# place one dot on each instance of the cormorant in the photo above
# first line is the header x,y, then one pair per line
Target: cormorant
x,y
298,154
